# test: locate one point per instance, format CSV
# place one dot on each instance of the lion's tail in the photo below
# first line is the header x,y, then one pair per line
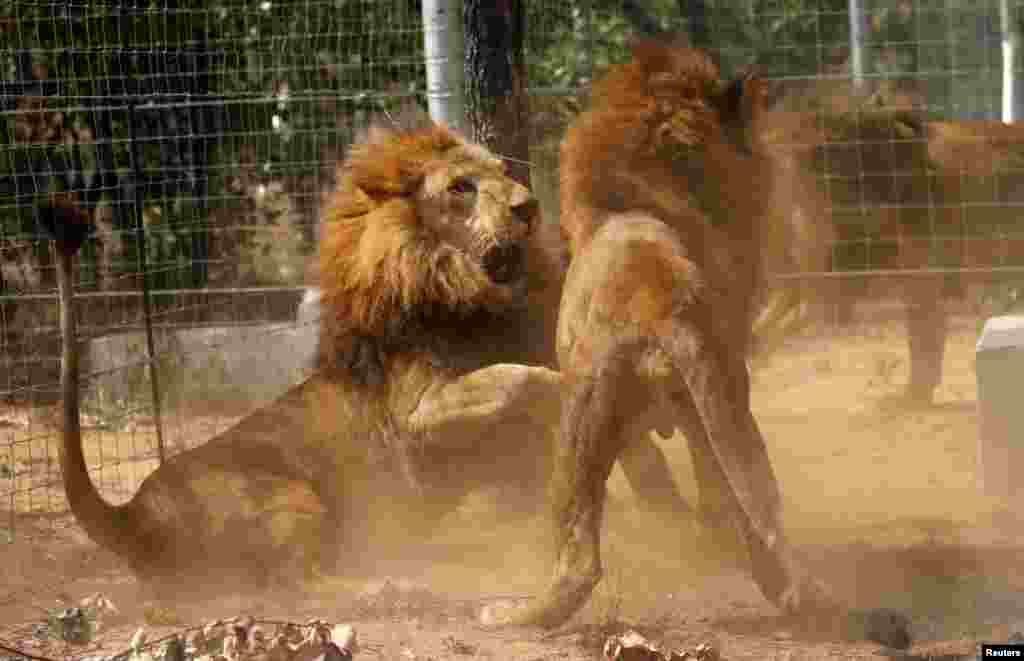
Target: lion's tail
x,y
105,524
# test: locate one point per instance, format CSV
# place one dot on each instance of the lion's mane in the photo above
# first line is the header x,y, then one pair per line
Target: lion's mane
x,y
390,286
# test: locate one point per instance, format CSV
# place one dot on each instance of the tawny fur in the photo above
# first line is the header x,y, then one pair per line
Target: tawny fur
x,y
430,382
668,190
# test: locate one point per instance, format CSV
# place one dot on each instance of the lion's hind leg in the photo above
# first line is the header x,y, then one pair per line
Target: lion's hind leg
x,y
718,387
718,383
719,529
590,441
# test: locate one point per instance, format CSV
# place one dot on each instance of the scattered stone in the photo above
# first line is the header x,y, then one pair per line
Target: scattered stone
x,y
458,647
885,626
631,646
703,652
41,631
73,625
257,639
138,640
174,650
344,636
195,643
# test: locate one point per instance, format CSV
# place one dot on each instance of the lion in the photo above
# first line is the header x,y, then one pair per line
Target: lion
x,y
667,187
921,182
433,378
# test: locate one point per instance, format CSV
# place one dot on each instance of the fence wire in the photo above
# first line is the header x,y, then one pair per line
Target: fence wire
x,y
217,125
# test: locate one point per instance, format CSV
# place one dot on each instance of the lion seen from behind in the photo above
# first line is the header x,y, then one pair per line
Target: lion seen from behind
x,y
667,192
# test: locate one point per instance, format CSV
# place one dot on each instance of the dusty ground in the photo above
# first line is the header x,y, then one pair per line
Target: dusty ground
x,y
882,498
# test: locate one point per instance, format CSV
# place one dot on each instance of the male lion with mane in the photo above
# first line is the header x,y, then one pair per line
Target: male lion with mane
x,y
430,382
667,187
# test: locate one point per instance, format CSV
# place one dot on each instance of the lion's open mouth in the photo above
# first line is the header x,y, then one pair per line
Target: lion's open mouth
x,y
504,263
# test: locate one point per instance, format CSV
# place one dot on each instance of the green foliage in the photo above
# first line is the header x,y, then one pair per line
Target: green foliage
x,y
269,92
272,89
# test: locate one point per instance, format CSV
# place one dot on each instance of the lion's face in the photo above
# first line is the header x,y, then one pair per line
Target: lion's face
x,y
424,228
472,205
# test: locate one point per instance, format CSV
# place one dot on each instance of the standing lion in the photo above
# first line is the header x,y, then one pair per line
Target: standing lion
x,y
667,192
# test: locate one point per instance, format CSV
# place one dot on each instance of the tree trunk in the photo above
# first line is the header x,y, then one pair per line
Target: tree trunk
x,y
642,21
696,13
496,102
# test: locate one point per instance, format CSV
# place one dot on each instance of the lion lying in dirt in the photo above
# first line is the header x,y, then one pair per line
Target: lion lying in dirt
x,y
667,190
436,330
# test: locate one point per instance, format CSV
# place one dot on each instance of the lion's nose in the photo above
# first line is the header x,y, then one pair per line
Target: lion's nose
x,y
526,211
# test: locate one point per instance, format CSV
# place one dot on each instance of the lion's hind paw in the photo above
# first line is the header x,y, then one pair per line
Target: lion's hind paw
x,y
808,596
505,613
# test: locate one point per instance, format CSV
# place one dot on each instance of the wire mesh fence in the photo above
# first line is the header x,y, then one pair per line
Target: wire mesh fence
x,y
201,135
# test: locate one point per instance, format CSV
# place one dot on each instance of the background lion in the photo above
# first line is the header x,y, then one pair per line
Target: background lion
x,y
430,382
905,193
668,187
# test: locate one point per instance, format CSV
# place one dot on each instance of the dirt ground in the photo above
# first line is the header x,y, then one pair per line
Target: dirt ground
x,y
882,498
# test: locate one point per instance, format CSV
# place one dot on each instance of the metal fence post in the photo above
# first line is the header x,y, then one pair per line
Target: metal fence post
x,y
857,43
140,230
1010,39
442,53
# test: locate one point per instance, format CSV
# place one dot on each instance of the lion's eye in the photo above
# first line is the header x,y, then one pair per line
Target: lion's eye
x,y
462,186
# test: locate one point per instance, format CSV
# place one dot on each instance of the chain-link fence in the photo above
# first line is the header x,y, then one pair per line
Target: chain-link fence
x,y
200,135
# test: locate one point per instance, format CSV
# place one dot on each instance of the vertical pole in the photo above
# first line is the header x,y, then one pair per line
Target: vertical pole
x,y
497,106
140,231
856,43
443,53
697,24
1009,41
588,27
